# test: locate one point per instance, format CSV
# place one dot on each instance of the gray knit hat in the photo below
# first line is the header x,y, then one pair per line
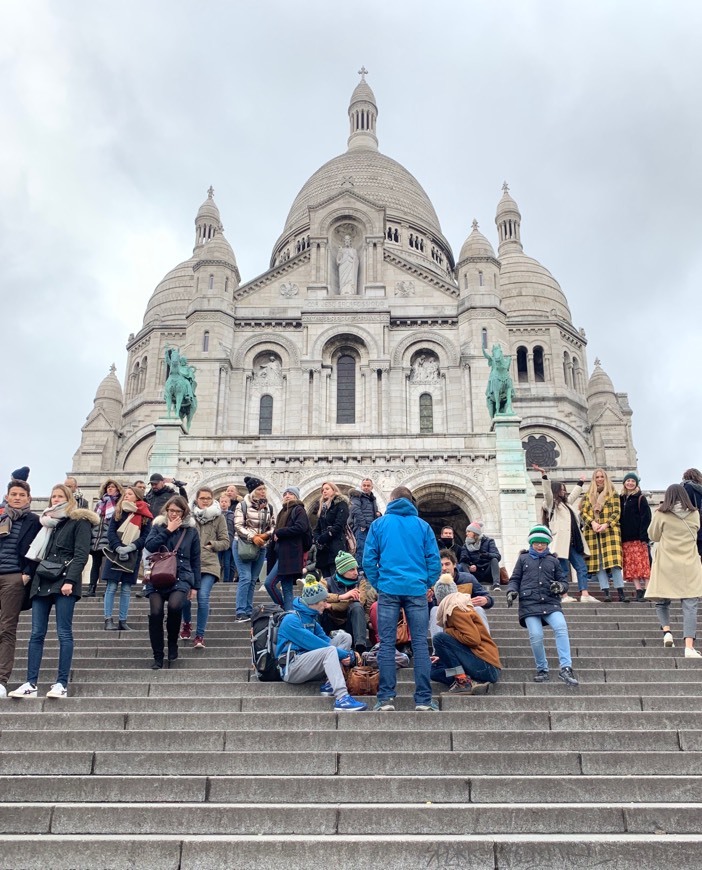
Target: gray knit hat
x,y
313,592
444,586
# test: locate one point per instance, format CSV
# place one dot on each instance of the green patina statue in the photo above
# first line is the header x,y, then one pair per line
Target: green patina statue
x,y
179,391
499,385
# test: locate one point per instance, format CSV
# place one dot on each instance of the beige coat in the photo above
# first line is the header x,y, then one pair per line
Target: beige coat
x,y
214,539
559,523
676,571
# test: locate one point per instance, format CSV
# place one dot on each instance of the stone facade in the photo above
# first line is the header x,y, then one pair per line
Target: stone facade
x,y
359,352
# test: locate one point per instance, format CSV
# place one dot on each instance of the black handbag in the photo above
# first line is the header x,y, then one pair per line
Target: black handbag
x,y
127,565
50,569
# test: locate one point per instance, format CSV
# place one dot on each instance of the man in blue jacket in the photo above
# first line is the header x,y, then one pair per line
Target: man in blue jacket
x,y
305,652
401,560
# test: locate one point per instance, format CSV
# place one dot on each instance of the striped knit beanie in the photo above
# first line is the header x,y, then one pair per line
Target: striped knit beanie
x,y
540,535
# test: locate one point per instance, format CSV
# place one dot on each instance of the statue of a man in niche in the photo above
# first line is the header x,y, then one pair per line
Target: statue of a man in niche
x,y
347,261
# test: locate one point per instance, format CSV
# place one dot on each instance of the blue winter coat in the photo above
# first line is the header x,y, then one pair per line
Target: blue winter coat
x,y
532,579
302,631
401,556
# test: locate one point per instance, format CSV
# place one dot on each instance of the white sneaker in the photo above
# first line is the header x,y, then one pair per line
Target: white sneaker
x,y
691,653
26,690
568,599
3,691
587,599
58,690
668,639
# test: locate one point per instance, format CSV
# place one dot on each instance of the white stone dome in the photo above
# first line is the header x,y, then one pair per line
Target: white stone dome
x,y
363,93
527,287
208,211
170,300
217,248
375,177
110,388
600,386
476,245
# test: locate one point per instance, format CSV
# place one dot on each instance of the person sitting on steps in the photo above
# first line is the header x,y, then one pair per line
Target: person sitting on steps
x,y
347,601
480,556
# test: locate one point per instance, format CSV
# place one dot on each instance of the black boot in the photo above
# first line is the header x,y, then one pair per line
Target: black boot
x,y
156,638
640,594
110,625
172,651
172,629
124,627
157,664
622,596
607,598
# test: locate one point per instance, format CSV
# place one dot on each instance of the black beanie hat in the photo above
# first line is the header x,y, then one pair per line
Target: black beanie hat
x,y
252,483
20,473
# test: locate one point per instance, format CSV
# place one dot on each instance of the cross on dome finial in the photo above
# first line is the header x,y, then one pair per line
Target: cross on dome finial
x,y
363,72
113,369
210,192
475,224
597,362
505,187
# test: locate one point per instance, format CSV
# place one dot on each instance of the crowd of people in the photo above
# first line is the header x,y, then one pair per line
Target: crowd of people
x,y
375,587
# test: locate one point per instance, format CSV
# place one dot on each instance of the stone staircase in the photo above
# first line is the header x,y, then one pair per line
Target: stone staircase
x,y
199,767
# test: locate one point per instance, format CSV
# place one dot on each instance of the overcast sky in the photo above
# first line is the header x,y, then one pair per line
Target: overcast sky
x,y
116,117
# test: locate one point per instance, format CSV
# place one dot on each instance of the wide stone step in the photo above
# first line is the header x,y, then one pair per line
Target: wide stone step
x,y
399,852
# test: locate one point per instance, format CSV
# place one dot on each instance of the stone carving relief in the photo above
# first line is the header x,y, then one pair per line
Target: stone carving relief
x,y
404,288
540,450
347,259
288,289
425,368
268,371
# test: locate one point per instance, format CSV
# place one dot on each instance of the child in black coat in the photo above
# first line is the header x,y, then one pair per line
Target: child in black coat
x,y
538,581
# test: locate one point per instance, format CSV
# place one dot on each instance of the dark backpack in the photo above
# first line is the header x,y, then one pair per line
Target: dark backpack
x,y
265,623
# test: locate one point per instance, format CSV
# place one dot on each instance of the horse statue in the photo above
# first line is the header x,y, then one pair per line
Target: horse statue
x,y
179,390
499,385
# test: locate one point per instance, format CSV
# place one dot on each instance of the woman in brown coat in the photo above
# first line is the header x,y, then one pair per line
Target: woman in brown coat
x,y
676,572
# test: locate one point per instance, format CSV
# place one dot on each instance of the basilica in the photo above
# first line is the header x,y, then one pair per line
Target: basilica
x,y
360,351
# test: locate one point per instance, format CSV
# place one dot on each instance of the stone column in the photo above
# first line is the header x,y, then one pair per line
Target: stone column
x,y
166,450
515,489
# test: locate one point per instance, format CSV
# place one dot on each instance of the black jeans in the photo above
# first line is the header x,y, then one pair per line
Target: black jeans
x,y
157,600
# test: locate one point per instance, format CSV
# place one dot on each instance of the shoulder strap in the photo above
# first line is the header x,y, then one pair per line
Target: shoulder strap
x,y
180,541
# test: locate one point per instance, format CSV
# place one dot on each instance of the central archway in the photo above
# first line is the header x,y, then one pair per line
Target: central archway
x,y
439,509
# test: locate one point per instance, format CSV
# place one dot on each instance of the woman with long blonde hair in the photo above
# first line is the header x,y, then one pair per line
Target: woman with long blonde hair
x,y
600,512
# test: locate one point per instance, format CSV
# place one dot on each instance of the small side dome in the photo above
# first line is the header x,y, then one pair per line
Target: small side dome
x,y
600,387
506,205
110,388
476,245
208,210
363,93
217,248
170,300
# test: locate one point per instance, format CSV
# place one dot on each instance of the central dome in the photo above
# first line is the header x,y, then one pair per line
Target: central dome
x,y
373,176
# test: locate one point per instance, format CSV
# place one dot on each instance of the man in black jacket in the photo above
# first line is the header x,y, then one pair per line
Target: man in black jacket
x,y
363,510
163,488
480,556
18,528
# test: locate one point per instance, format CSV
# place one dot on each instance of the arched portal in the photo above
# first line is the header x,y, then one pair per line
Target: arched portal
x,y
441,504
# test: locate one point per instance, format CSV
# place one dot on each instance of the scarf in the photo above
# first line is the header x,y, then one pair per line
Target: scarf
x,y
599,502
534,555
49,519
206,515
449,603
130,530
680,511
473,548
259,504
11,515
106,506
285,514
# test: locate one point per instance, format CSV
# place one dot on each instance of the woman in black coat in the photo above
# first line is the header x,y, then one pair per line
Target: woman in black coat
x,y
126,536
330,532
692,481
174,530
63,542
292,537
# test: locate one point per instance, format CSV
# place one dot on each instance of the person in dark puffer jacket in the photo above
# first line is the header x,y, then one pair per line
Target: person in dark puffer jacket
x,y
63,539
692,481
538,581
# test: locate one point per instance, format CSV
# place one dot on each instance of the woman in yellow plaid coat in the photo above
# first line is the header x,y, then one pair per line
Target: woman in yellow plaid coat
x,y
600,512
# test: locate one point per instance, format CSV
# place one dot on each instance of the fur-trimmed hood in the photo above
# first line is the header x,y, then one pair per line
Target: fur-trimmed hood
x,y
84,514
103,488
208,514
188,522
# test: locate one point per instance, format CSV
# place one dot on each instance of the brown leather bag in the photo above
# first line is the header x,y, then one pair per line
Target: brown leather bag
x,y
403,632
362,680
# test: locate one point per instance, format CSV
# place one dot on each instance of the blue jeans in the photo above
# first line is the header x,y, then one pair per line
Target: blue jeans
x,y
455,658
226,561
207,581
360,545
248,575
125,594
287,585
41,608
617,578
536,638
415,607
577,560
